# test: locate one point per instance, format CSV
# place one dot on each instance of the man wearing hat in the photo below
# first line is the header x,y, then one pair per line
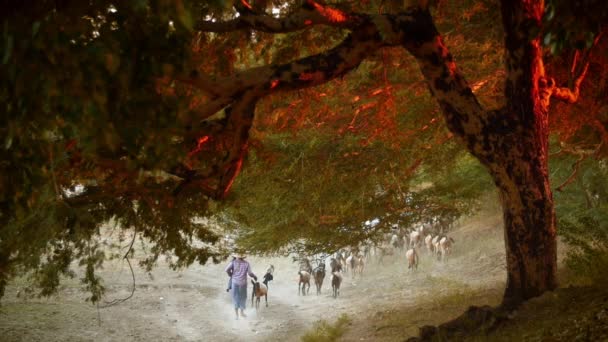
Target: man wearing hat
x,y
238,270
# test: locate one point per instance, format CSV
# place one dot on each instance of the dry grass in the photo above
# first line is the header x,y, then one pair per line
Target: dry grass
x,y
443,300
567,314
325,332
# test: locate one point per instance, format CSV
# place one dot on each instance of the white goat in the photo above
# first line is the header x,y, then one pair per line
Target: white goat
x,y
412,258
360,264
415,238
435,243
445,246
350,266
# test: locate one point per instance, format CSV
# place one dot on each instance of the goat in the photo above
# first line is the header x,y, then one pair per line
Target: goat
x,y
336,280
366,251
428,241
270,270
384,251
305,265
335,265
423,229
445,246
304,280
259,290
435,239
397,242
435,243
360,264
319,274
412,258
415,238
346,258
267,277
353,263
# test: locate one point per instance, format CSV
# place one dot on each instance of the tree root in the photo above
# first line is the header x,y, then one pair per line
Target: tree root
x,y
476,320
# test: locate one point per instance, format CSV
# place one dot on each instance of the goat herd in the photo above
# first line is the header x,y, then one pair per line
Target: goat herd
x,y
353,259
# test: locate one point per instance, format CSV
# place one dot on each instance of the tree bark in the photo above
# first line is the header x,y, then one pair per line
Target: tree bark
x,y
529,222
520,168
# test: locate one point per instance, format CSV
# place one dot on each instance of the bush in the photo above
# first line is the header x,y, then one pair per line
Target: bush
x,y
582,221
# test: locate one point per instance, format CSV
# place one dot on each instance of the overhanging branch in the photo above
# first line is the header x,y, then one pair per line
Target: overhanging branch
x,y
413,29
302,73
305,72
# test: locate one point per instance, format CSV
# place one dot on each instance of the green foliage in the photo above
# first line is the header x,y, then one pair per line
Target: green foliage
x,y
582,216
325,332
361,149
86,123
322,191
457,184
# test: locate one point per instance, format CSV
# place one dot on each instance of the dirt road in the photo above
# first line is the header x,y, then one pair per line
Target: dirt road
x,y
192,305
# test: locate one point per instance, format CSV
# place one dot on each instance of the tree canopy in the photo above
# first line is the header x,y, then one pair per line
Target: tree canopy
x,y
144,113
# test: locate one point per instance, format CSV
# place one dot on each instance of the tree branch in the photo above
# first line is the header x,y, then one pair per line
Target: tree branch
x,y
584,154
464,115
125,257
306,72
243,113
571,94
212,107
575,168
413,29
245,88
302,73
566,94
216,181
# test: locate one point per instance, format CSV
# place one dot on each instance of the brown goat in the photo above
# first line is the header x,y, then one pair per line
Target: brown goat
x,y
259,290
319,274
336,280
304,284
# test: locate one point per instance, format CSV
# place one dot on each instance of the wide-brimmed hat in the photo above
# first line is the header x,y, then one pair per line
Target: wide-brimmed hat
x,y
240,254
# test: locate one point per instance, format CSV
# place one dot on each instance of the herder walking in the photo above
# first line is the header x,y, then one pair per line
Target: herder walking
x,y
238,269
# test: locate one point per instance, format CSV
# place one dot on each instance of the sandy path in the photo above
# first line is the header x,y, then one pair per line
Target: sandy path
x,y
192,305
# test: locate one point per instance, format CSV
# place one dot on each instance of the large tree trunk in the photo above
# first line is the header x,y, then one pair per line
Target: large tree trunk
x,y
512,142
521,171
529,222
